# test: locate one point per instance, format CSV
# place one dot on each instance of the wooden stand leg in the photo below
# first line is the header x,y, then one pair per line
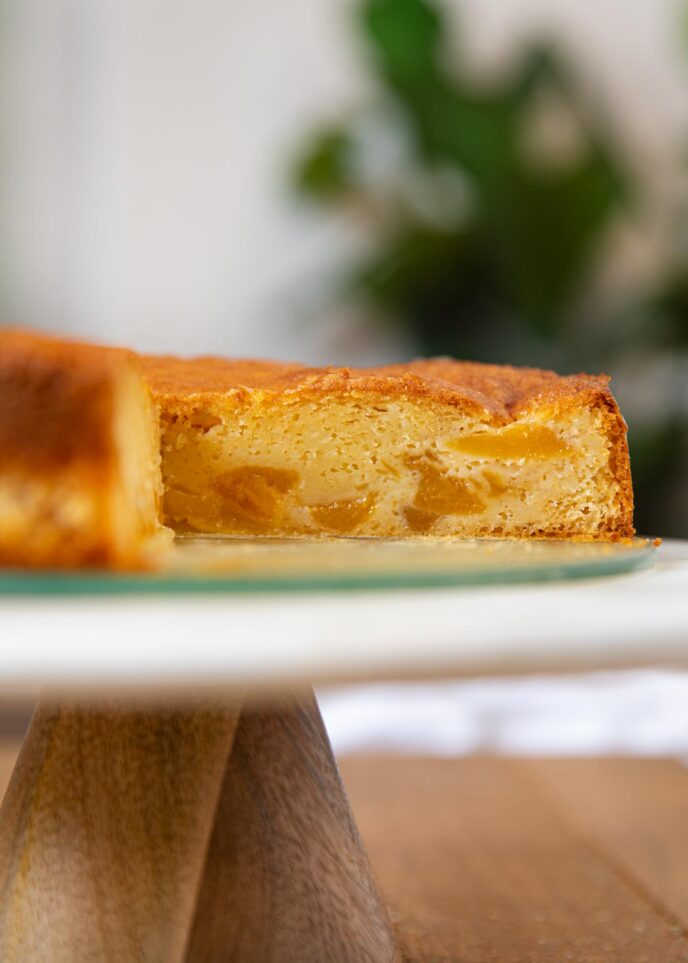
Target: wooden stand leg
x,y
104,830
287,878
184,836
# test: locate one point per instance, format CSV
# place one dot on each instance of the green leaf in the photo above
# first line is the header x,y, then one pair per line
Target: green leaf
x,y
325,170
546,229
658,457
533,232
474,127
405,36
440,283
540,67
672,323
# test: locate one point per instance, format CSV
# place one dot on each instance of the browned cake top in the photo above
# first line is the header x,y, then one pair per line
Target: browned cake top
x,y
499,389
56,400
65,384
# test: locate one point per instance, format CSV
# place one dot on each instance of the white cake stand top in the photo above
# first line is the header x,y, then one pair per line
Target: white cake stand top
x,y
199,640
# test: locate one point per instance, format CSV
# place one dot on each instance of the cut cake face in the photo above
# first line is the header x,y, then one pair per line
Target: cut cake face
x,y
436,447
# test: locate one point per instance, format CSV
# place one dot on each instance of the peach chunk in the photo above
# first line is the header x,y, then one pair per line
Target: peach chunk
x,y
343,516
439,493
512,443
245,499
445,494
418,520
252,498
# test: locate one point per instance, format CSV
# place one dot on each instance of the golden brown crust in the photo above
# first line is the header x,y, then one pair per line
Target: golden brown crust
x,y
499,390
57,401
78,550
620,466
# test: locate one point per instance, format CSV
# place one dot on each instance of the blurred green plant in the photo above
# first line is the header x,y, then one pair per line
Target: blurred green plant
x,y
489,216
516,250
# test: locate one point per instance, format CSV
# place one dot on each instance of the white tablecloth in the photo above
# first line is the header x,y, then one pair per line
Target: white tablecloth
x,y
639,712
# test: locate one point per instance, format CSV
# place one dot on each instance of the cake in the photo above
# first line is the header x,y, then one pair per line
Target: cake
x,y
102,447
80,466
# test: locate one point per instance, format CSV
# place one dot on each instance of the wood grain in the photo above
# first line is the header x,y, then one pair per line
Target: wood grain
x,y
103,831
9,750
287,878
478,865
490,861
636,812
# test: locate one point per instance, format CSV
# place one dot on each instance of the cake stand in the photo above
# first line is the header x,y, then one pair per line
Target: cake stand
x,y
176,798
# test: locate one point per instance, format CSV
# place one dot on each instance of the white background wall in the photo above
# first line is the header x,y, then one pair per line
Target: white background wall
x,y
144,149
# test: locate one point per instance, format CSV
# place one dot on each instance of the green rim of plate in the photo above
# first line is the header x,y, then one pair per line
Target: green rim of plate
x,y
610,560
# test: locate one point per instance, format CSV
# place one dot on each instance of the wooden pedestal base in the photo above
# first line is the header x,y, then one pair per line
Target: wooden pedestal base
x,y
184,836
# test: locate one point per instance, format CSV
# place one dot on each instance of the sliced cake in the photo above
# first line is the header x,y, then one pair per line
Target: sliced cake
x,y
80,467
434,447
101,448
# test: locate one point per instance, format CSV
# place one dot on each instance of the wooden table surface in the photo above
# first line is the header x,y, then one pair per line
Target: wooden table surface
x,y
523,861
485,860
